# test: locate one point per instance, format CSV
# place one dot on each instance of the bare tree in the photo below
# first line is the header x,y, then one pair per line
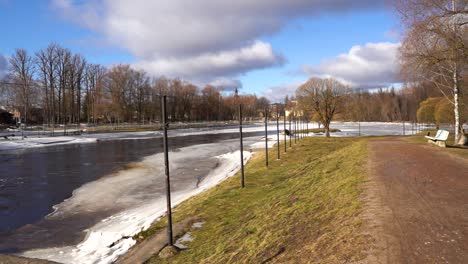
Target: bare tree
x,y
94,81
77,71
324,97
21,72
434,48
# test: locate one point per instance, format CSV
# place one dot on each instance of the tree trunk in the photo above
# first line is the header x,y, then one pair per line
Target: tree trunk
x,y
456,106
327,130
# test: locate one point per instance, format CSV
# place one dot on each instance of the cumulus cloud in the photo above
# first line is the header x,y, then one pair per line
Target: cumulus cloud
x,y
278,93
370,66
179,37
86,13
226,84
226,63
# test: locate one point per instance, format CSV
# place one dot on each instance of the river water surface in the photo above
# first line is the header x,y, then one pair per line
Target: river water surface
x,y
50,195
33,181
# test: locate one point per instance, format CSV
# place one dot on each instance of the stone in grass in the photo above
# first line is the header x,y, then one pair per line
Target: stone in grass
x,y
168,252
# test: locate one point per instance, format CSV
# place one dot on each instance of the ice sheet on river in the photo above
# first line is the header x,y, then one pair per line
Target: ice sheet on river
x,y
139,192
13,143
347,129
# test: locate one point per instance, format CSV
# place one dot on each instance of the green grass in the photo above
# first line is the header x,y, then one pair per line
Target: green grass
x,y
304,208
451,148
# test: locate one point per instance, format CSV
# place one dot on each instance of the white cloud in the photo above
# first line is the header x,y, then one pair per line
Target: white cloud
x,y
369,66
210,65
86,13
278,93
226,84
179,37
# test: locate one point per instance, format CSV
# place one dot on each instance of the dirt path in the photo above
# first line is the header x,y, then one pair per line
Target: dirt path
x,y
418,203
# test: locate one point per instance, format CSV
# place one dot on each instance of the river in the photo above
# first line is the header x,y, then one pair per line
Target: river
x,y
51,197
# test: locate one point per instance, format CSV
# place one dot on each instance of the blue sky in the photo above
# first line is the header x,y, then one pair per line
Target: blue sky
x,y
309,41
269,54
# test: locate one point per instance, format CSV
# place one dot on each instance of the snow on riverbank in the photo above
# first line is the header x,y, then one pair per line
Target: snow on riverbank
x,y
348,129
13,143
133,188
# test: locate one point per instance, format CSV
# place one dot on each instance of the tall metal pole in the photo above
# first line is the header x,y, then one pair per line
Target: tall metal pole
x,y
241,147
277,131
299,123
166,165
302,126
295,122
290,131
359,125
284,129
299,135
299,128
266,136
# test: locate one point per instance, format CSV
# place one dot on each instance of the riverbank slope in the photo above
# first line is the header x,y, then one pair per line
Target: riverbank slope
x,y
301,208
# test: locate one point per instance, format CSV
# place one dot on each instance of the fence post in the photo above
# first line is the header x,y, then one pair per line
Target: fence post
x,y
166,166
302,126
277,131
295,126
290,131
266,136
241,146
284,124
359,125
403,128
299,133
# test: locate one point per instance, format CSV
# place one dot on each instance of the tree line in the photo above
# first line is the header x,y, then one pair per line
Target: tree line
x,y
55,86
325,99
435,49
433,59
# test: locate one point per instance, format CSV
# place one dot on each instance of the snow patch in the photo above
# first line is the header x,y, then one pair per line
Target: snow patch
x,y
113,236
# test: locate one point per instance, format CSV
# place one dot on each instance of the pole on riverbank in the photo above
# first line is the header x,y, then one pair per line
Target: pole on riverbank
x,y
241,146
359,125
277,132
298,128
166,166
299,134
295,126
290,131
303,127
266,137
284,124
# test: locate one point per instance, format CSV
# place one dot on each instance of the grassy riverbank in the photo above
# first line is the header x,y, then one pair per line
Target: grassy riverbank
x,y
303,208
